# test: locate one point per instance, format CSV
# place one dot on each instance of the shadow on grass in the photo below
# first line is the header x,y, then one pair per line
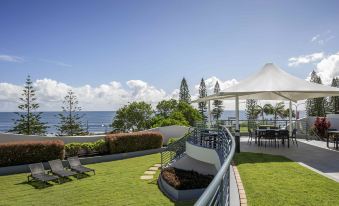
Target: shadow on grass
x,y
82,176
252,158
38,184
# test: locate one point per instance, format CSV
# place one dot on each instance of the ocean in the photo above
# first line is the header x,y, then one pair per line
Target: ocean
x,y
94,121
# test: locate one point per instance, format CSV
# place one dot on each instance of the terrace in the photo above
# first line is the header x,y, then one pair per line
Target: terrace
x,y
195,169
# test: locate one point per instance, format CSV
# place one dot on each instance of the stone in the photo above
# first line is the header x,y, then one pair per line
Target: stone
x,y
153,168
150,172
146,177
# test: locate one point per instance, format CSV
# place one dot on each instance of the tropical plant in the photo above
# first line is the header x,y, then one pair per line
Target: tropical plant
x,y
70,119
262,110
218,108
278,110
135,116
29,121
202,105
184,94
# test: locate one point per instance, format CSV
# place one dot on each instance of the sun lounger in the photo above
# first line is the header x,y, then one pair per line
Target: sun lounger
x,y
38,173
58,169
76,165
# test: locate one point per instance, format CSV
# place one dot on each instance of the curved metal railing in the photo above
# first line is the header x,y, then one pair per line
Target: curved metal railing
x,y
218,191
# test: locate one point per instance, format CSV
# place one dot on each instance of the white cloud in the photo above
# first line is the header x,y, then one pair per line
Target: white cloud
x,y
305,59
9,58
315,38
110,96
322,38
58,63
328,68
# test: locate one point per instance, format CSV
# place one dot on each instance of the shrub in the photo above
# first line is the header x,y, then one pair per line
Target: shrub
x,y
24,152
172,140
136,141
86,148
321,125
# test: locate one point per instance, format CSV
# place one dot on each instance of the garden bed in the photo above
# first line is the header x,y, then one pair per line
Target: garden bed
x,y
183,179
183,185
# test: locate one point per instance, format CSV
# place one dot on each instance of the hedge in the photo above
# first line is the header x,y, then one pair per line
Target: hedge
x,y
24,152
136,141
86,148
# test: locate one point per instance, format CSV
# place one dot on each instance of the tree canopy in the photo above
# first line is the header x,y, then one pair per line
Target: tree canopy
x,y
316,106
29,121
218,108
184,94
70,119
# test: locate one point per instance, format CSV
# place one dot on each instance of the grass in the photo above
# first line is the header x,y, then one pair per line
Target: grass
x,y
116,183
276,180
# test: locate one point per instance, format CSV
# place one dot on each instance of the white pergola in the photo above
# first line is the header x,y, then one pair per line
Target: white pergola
x,y
271,83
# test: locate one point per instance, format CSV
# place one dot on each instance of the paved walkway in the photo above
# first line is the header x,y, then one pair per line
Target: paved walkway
x,y
311,154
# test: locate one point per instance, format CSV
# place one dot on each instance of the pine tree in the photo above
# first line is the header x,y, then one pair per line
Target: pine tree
x,y
316,106
70,119
184,94
334,101
218,108
29,121
202,94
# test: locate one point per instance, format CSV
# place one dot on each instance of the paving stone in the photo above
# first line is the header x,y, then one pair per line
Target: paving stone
x,y
153,168
157,165
150,172
146,177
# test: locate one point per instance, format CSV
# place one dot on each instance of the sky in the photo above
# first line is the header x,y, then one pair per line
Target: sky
x,y
114,52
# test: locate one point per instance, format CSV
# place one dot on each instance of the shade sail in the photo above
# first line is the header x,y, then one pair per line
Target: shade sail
x,y
272,83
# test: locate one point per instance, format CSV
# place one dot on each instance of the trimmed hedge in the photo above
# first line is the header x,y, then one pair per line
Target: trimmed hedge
x,y
24,152
135,141
86,148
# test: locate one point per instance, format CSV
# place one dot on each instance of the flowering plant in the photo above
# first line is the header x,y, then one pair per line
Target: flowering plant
x,y
321,125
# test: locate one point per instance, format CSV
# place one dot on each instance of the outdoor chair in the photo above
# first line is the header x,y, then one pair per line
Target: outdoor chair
x,y
76,165
38,173
282,135
58,169
294,137
270,136
250,136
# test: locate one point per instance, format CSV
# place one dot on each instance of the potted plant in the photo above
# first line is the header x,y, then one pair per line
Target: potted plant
x,y
321,125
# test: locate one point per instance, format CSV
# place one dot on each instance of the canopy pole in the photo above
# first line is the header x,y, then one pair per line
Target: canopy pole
x,y
237,128
290,118
209,114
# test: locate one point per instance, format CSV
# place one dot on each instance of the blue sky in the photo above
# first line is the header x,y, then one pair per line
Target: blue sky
x,y
92,43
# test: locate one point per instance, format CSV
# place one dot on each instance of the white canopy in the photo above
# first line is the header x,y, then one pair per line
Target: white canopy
x,y
272,83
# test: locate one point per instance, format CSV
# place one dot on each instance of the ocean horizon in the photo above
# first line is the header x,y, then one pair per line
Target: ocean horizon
x,y
93,121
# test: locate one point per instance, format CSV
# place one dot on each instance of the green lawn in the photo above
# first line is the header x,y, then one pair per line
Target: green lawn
x,y
276,180
116,183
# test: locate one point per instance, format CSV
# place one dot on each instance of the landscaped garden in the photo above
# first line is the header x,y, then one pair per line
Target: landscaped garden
x,y
116,183
276,180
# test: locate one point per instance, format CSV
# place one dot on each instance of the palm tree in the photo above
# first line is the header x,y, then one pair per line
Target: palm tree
x,y
278,110
262,110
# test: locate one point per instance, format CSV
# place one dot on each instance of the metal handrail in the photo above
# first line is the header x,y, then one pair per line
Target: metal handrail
x,y
211,192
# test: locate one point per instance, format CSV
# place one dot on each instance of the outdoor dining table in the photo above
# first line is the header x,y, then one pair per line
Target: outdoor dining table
x,y
335,136
261,132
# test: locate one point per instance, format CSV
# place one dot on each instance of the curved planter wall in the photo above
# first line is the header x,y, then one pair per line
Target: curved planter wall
x,y
203,154
179,195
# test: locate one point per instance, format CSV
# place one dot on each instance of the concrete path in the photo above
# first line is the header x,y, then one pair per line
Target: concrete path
x,y
312,155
